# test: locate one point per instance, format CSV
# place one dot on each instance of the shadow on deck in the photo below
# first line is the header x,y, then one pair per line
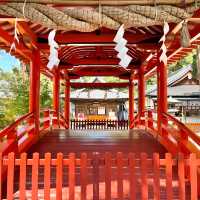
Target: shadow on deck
x,y
89,141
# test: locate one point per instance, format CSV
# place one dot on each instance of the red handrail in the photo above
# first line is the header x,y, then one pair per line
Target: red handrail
x,y
19,135
183,130
7,129
182,126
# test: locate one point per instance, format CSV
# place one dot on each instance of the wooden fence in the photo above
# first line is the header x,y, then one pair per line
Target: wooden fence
x,y
98,176
99,124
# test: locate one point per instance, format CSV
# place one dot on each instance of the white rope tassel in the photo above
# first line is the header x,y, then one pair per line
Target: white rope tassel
x,y
163,57
53,57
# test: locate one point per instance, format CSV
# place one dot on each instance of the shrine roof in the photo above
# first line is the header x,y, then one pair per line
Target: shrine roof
x,y
98,94
178,90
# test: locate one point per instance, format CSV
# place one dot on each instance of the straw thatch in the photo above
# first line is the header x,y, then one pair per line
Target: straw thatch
x,y
86,19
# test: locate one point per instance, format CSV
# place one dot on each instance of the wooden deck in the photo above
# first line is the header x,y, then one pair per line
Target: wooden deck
x,y
89,141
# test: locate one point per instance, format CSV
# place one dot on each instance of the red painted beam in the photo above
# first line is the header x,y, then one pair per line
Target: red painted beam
x,y
99,85
77,37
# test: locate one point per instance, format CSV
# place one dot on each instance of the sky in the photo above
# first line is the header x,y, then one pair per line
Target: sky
x,y
7,62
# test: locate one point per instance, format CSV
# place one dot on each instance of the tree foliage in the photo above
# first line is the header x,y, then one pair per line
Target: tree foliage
x,y
14,94
45,92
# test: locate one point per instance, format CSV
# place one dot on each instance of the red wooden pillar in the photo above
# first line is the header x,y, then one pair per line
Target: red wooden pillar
x,y
141,93
131,104
34,91
67,103
56,91
162,104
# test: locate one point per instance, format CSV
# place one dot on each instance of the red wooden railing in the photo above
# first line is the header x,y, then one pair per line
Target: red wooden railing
x,y
100,177
20,135
99,124
49,118
174,135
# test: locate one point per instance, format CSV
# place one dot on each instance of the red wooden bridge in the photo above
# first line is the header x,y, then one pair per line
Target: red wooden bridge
x,y
150,156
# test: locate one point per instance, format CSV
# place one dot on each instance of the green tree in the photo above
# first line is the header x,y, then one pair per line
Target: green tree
x,y
45,92
14,94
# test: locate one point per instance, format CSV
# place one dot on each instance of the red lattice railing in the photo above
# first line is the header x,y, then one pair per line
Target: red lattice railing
x,y
103,176
173,134
21,134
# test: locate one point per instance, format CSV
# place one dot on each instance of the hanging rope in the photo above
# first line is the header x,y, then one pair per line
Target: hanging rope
x,y
155,5
185,35
87,19
24,5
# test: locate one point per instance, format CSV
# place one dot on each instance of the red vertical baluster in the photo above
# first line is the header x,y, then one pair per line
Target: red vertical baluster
x,y
59,176
120,175
71,176
47,176
132,176
193,176
181,175
168,159
156,170
22,178
83,176
35,167
10,176
95,163
144,185
108,168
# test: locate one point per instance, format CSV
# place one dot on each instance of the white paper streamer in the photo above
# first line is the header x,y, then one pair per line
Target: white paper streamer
x,y
16,39
121,48
53,57
163,57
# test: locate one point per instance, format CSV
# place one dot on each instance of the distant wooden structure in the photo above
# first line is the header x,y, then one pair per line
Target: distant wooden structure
x,y
97,103
183,90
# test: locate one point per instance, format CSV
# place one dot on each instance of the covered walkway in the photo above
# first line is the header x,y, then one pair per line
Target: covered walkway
x,y
132,41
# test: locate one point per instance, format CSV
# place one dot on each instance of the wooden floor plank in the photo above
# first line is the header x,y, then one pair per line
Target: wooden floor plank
x,y
90,141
